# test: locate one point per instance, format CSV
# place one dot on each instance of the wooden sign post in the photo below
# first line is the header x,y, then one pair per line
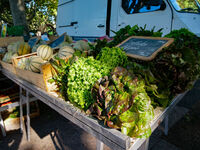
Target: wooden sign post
x,y
144,48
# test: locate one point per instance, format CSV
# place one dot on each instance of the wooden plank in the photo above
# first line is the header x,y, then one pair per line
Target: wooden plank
x,y
8,67
33,78
110,137
15,60
4,42
46,70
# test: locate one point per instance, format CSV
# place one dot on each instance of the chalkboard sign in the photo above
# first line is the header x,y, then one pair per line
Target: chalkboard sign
x,y
144,48
32,41
57,41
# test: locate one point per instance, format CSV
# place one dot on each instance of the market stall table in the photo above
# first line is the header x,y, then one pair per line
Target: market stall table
x,y
111,137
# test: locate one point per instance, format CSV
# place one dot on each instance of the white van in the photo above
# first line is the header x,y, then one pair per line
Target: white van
x,y
96,18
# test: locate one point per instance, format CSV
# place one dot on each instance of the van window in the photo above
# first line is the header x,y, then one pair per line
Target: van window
x,y
186,5
140,6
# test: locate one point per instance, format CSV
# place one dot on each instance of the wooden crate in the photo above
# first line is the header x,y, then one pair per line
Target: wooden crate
x,y
38,79
8,67
4,42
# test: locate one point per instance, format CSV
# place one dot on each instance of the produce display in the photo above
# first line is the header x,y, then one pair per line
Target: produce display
x,y
125,91
102,81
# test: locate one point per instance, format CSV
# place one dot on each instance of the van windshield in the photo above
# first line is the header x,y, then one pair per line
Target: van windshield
x,y
192,6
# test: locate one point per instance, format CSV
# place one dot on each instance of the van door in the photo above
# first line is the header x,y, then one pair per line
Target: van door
x,y
65,21
85,18
152,13
186,15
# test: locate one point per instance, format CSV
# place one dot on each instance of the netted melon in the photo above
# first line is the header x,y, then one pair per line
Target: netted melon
x,y
45,52
65,52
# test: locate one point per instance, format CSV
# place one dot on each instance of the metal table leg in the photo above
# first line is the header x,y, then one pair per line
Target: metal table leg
x,y
2,125
21,110
28,115
166,125
145,145
99,145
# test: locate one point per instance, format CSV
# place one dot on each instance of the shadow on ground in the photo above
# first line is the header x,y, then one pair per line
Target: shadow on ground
x,y
49,131
11,141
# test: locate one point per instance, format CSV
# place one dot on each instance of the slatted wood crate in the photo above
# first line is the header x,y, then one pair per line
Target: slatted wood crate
x,y
38,79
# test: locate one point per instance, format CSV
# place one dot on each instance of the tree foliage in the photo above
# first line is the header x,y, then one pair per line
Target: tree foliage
x,y
38,13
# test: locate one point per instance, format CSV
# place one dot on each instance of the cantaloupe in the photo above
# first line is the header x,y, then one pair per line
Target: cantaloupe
x,y
81,45
34,63
65,52
45,52
84,45
64,44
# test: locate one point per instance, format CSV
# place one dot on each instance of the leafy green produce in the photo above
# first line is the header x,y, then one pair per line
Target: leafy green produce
x,y
82,75
113,57
181,60
60,73
122,102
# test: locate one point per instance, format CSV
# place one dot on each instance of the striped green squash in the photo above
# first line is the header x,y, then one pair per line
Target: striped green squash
x,y
22,63
45,52
34,63
65,52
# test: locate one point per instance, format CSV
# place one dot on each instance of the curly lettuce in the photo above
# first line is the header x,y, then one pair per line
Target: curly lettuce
x,y
82,75
122,102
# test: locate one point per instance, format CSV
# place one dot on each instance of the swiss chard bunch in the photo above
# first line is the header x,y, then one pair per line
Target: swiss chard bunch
x,y
82,75
122,102
60,73
113,57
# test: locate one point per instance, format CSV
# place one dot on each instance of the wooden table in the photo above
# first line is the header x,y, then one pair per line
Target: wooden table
x,y
111,137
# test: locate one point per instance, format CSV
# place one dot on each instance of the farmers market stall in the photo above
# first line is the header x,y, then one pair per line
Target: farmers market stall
x,y
111,137
118,99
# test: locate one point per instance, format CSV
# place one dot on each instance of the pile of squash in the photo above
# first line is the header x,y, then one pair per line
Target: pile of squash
x,y
16,49
44,53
